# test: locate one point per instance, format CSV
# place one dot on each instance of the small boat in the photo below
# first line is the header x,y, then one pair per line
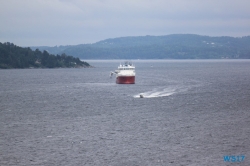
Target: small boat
x,y
125,73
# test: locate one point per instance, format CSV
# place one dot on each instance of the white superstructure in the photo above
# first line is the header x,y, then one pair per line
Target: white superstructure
x,y
125,74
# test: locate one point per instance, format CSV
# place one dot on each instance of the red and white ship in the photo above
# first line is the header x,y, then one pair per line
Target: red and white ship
x,y
125,74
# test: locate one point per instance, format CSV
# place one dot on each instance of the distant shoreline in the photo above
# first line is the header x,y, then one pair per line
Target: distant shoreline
x,y
12,56
175,46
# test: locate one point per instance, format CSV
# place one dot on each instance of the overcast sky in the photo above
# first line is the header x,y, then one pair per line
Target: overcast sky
x,y
71,22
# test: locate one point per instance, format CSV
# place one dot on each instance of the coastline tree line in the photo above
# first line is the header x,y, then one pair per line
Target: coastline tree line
x,y
176,46
12,56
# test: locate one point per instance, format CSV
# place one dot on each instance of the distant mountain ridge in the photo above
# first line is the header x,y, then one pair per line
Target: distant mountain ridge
x,y
176,46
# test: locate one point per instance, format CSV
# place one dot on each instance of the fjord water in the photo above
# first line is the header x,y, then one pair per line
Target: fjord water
x,y
194,112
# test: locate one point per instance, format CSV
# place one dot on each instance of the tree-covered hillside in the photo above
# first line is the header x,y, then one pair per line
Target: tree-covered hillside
x,y
12,56
160,47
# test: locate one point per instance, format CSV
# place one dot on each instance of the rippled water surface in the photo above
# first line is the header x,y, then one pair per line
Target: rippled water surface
x,y
193,112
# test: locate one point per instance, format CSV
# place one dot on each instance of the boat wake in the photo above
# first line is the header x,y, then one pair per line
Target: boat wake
x,y
159,92
163,91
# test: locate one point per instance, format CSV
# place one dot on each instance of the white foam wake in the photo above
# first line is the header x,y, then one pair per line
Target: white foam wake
x,y
156,93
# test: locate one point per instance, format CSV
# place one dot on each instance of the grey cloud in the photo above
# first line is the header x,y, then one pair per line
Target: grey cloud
x,y
61,22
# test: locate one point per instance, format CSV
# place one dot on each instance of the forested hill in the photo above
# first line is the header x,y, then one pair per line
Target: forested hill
x,y
160,47
12,56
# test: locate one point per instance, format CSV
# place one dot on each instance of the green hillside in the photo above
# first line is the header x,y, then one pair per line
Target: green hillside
x,y
12,56
160,47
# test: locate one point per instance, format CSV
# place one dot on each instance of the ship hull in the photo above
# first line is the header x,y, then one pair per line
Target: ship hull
x,y
125,79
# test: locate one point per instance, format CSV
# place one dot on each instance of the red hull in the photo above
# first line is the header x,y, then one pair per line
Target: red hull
x,y
125,79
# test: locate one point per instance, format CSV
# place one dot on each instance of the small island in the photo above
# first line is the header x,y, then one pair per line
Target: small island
x,y
12,56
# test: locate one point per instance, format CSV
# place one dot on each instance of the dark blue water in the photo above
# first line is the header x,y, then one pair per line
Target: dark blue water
x,y
194,113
